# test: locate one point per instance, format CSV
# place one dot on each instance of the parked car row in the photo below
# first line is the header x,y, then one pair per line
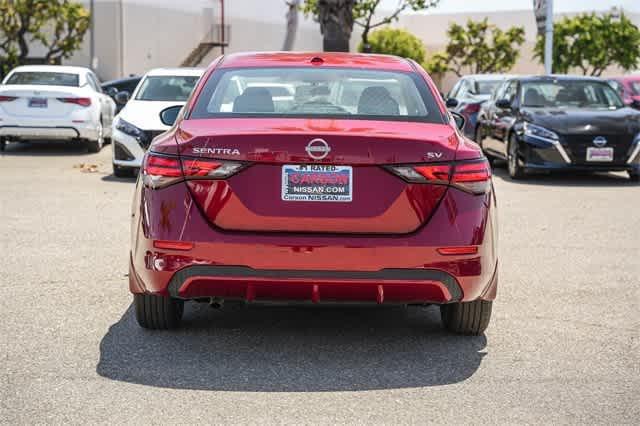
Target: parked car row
x,y
552,123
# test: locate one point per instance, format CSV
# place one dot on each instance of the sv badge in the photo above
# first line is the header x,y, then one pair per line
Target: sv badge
x,y
434,155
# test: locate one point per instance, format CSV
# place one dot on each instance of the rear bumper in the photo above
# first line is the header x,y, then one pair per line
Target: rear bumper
x,y
39,132
385,286
313,267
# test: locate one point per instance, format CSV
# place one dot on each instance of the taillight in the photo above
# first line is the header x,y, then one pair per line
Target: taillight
x,y
7,98
159,171
85,102
474,177
470,176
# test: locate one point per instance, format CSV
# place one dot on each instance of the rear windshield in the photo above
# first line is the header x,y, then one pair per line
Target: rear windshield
x,y
44,78
314,92
167,88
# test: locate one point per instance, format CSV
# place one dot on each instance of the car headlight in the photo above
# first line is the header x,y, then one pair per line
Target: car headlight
x,y
128,128
539,132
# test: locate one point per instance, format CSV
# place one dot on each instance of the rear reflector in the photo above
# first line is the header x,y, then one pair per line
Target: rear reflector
x,y
7,98
85,102
172,245
159,171
452,251
470,176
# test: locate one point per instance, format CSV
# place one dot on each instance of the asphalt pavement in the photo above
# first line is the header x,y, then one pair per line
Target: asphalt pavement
x,y
562,346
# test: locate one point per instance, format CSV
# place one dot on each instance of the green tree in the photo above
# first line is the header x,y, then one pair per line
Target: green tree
x,y
592,43
392,41
57,25
363,13
479,47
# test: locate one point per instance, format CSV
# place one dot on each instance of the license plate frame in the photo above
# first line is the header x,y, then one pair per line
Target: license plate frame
x,y
600,155
317,183
38,102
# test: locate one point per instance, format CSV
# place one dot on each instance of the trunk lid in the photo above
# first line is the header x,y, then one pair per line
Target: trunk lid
x,y
357,194
37,101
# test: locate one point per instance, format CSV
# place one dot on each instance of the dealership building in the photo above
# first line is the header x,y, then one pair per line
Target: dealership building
x,y
133,36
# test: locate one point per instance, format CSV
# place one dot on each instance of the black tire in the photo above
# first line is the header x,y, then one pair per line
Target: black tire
x,y
634,176
158,312
470,318
516,171
3,145
123,172
96,145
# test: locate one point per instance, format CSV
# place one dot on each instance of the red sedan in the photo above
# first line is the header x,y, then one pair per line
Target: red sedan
x,y
297,177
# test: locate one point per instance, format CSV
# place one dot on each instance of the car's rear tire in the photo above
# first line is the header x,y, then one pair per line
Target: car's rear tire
x,y
634,176
516,171
96,145
158,312
470,318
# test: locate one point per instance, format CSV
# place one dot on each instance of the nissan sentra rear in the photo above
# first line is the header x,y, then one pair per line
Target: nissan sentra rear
x,y
317,178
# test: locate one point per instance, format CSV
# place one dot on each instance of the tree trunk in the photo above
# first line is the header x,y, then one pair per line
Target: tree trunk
x,y
292,25
336,24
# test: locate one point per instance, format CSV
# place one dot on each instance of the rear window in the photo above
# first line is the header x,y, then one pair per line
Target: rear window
x,y
44,78
314,92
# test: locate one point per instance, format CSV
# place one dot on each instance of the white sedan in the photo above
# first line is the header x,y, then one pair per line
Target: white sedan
x,y
139,121
52,102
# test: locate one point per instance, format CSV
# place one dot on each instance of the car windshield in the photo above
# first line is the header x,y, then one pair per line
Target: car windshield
x,y
44,78
486,87
569,94
169,88
313,92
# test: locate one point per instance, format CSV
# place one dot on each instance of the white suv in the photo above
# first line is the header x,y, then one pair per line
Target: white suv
x,y
139,121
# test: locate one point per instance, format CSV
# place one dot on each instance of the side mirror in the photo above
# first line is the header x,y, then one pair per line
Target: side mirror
x,y
451,102
503,104
169,115
122,98
459,119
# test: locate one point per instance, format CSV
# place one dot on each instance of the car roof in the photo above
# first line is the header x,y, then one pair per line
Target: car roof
x,y
304,59
184,71
560,77
52,68
486,77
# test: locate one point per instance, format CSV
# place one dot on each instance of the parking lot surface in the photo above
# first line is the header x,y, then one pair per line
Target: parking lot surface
x,y
562,346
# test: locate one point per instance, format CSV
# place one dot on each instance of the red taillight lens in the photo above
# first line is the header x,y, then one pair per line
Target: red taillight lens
x,y
424,173
197,167
7,98
85,102
439,172
470,176
162,170
471,108
473,176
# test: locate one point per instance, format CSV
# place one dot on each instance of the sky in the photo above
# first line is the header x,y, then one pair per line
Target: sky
x,y
560,6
